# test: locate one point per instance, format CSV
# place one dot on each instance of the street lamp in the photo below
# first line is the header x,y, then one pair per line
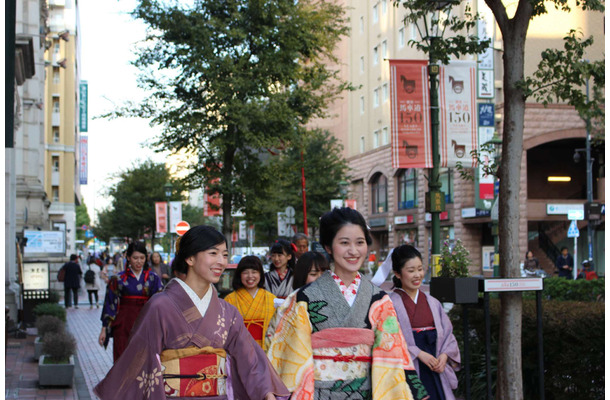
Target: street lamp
x,y
168,194
495,145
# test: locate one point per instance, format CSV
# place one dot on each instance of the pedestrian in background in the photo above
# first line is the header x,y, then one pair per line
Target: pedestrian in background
x,y
187,331
279,278
126,294
301,242
93,281
160,268
564,263
531,263
254,303
425,326
73,274
344,342
308,268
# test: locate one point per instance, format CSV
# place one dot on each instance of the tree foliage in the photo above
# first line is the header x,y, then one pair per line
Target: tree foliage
x,y
229,78
82,218
132,210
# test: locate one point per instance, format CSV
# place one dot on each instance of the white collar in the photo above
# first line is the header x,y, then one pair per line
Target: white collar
x,y
203,303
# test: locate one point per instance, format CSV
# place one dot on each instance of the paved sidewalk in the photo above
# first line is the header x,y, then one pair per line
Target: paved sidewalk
x,y
92,364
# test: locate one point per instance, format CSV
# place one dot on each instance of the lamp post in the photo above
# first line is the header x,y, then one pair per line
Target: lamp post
x,y
168,194
495,145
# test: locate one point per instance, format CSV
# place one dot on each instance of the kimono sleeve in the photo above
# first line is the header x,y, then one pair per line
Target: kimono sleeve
x,y
448,344
253,377
137,373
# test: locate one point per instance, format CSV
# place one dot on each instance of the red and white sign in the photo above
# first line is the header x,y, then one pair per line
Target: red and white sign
x,y
458,114
161,216
512,284
410,114
182,227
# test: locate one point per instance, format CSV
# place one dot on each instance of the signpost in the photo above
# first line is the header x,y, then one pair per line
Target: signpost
x,y
182,227
574,233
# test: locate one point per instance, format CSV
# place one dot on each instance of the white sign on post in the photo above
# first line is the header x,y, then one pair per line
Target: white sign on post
x,y
576,215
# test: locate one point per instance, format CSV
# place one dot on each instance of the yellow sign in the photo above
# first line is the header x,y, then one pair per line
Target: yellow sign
x,y
436,265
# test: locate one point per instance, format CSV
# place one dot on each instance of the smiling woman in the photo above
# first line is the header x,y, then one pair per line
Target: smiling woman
x,y
188,338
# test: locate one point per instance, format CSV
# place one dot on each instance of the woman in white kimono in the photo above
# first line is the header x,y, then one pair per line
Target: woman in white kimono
x,y
189,343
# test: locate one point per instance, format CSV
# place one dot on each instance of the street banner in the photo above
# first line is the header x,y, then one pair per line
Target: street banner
x,y
458,122
83,105
175,214
161,216
486,181
83,160
211,203
410,114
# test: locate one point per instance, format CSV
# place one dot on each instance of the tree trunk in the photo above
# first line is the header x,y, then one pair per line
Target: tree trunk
x,y
227,197
514,31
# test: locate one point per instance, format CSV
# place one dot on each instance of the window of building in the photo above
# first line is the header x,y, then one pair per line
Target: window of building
x,y
361,25
55,163
376,97
446,178
385,139
56,75
55,193
362,144
56,47
379,191
361,104
375,139
376,55
384,49
413,32
362,64
384,7
407,189
55,104
375,13
401,37
55,134
385,90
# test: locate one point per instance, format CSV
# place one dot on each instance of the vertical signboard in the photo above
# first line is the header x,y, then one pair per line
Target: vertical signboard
x,y
458,123
486,30
175,214
83,117
161,216
484,185
83,159
410,114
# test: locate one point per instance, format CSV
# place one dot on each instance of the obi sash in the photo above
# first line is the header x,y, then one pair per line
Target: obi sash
x,y
342,353
194,372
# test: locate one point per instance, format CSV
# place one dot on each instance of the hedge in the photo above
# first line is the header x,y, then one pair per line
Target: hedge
x,y
562,289
53,309
573,340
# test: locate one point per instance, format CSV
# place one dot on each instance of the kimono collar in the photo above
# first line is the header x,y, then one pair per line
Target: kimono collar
x,y
129,272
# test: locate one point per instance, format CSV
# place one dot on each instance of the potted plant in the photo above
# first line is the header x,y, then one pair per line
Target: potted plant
x,y
50,309
453,284
46,324
56,365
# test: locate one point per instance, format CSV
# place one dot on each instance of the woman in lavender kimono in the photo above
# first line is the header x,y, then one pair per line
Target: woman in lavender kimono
x,y
189,343
425,326
126,294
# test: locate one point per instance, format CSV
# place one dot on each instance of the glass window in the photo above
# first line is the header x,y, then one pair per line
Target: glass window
x,y
413,31
362,64
384,6
375,14
379,189
55,162
362,144
407,189
361,25
56,47
401,37
56,75
386,92
55,193
55,105
361,104
384,49
446,178
56,134
376,97
375,139
376,55
385,137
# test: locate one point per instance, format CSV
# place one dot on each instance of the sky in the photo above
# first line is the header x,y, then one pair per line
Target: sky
x,y
108,37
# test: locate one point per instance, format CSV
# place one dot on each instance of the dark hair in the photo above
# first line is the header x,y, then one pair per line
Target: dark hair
x,y
140,247
333,221
198,238
305,264
248,262
299,236
563,248
73,257
160,257
400,256
527,252
282,246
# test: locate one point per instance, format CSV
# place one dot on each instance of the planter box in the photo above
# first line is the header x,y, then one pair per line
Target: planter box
x,y
55,374
455,290
37,348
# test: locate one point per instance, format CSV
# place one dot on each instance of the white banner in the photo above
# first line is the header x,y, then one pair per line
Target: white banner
x,y
83,159
175,214
458,114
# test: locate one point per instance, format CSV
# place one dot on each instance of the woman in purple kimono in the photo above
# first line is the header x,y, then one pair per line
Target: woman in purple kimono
x,y
189,343
126,294
425,326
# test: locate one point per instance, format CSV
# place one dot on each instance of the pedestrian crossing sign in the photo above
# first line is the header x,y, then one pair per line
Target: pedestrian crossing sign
x,y
573,230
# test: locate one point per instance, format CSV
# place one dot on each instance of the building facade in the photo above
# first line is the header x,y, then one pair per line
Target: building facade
x,y
392,200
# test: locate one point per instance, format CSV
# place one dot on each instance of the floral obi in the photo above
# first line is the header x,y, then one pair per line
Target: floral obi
x,y
194,372
342,353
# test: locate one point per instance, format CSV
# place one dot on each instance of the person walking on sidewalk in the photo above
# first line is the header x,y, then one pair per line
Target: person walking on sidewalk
x,y
73,274
126,294
93,281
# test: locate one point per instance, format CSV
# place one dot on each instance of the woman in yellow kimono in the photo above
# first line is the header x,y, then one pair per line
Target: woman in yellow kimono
x,y
250,298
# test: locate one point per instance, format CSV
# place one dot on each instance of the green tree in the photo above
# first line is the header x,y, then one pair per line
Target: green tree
x,y
231,77
82,218
132,209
